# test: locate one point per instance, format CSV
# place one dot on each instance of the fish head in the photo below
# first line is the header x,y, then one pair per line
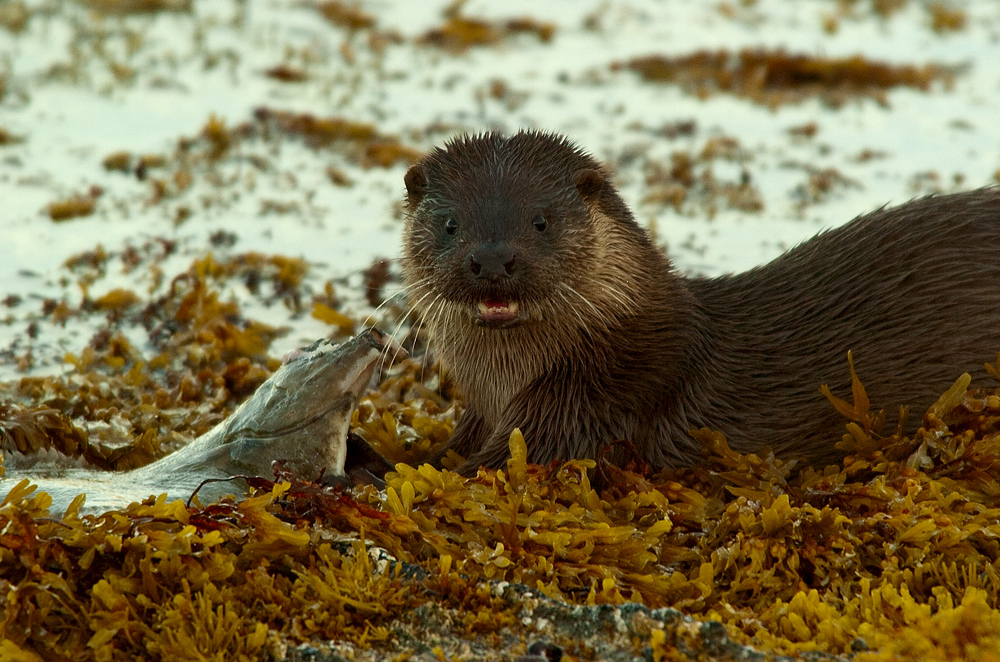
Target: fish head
x,y
303,412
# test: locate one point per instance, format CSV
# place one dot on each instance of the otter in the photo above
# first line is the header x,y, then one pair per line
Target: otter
x,y
555,313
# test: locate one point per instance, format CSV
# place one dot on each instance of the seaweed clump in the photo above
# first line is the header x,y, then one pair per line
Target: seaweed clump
x,y
459,33
73,207
894,551
689,182
199,157
346,16
122,406
369,147
773,78
159,580
125,7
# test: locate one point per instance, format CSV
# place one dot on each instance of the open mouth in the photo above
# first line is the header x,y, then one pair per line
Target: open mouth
x,y
498,312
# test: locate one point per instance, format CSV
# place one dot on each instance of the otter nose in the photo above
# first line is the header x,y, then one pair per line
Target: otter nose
x,y
492,262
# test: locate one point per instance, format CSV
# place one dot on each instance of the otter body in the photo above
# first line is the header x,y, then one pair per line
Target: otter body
x,y
556,314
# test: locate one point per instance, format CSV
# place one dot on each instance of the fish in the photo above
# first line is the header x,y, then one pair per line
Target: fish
x,y
300,416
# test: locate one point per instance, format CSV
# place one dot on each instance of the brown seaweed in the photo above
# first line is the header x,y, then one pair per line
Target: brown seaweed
x,y
459,33
776,77
896,548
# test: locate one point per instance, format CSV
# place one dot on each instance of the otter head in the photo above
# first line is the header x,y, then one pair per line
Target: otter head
x,y
503,229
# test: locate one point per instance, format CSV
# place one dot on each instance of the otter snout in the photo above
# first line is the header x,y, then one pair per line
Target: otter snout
x,y
492,267
492,261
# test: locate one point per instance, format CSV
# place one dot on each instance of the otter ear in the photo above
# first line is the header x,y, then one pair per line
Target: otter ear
x,y
416,181
589,183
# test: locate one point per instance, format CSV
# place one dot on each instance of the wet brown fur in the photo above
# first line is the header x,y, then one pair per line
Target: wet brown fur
x,y
620,346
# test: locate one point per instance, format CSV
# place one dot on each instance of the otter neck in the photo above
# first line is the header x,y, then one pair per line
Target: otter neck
x,y
492,365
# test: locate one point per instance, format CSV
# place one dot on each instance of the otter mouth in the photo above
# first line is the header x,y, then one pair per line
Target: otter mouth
x,y
498,313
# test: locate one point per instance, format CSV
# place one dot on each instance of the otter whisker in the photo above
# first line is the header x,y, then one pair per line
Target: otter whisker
x,y
611,290
569,304
413,309
377,317
393,335
423,320
442,318
600,314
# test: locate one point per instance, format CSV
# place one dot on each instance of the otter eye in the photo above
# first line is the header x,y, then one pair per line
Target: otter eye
x,y
450,225
540,223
